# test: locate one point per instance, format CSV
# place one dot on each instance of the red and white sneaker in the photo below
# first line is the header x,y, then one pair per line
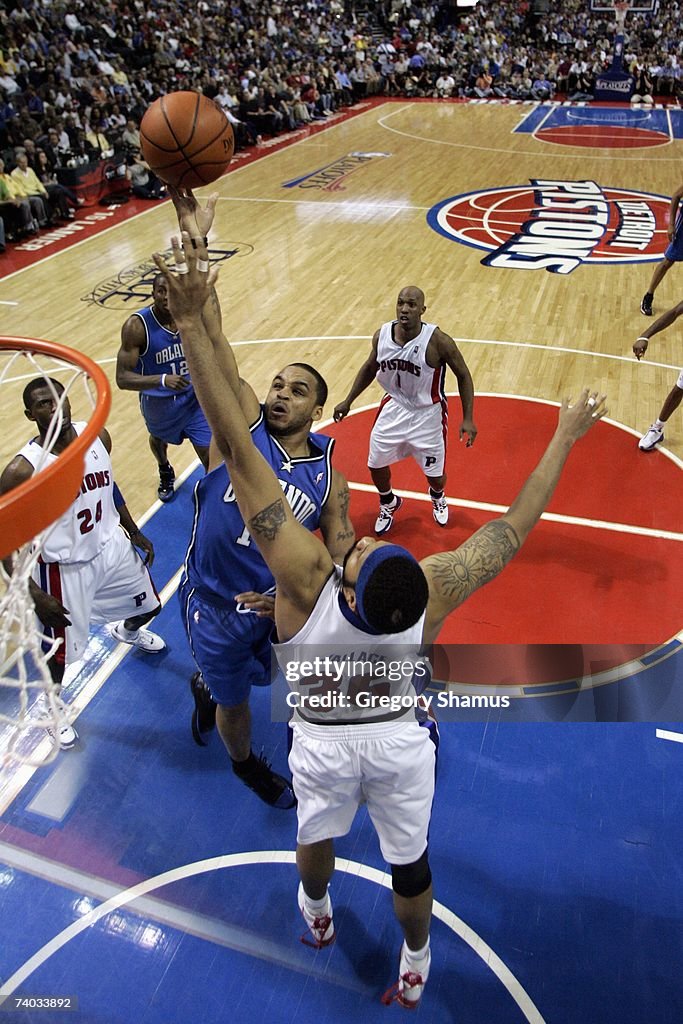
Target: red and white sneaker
x,y
412,978
320,926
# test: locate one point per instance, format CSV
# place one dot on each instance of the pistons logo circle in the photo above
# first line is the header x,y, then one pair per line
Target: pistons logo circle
x,y
556,225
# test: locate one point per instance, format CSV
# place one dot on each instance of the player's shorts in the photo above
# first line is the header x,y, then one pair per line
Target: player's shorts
x,y
113,585
231,648
175,418
390,765
674,250
399,432
679,382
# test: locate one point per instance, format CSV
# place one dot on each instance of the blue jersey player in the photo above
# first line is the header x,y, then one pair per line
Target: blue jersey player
x,y
226,585
673,252
151,360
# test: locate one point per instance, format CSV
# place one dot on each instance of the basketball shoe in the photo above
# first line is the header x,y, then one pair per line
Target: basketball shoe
x,y
646,304
412,978
320,925
166,482
61,729
385,519
204,714
440,510
143,639
273,789
651,439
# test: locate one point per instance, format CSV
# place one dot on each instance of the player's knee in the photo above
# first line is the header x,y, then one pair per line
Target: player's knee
x,y
410,880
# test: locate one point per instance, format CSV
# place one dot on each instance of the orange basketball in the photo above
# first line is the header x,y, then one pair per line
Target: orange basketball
x,y
186,139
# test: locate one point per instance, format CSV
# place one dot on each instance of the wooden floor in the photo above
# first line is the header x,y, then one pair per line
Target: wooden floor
x,y
326,266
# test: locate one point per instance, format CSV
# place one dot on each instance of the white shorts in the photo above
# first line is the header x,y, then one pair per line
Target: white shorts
x,y
115,584
679,382
389,765
399,432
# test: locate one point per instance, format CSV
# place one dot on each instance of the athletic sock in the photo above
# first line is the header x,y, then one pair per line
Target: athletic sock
x,y
659,424
436,495
246,767
387,497
416,956
315,907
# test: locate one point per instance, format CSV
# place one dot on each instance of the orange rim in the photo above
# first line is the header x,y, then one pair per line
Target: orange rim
x,y
38,502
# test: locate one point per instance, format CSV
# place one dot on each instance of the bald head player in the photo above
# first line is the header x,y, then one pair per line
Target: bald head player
x,y
409,359
357,750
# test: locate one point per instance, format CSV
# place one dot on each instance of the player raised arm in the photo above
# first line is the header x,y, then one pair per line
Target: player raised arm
x,y
196,220
363,380
660,324
449,353
454,575
299,561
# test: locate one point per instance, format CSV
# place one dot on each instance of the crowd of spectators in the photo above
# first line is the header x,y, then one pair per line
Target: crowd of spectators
x,y
76,76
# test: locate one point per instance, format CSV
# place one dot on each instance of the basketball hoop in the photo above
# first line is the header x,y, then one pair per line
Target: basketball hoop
x,y
25,514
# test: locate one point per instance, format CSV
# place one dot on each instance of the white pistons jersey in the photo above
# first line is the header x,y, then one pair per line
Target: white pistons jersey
x,y
345,674
86,526
403,371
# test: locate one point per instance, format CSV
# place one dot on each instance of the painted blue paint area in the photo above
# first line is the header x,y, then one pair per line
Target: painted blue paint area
x,y
558,844
666,122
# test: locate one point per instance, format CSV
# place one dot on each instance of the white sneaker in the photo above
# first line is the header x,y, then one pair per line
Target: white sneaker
x,y
62,731
440,510
412,978
385,519
321,927
649,441
144,639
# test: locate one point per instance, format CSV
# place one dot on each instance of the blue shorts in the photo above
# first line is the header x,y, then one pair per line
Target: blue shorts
x,y
231,648
175,418
674,251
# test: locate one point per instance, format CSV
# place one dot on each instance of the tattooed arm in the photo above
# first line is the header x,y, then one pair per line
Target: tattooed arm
x,y
335,525
454,575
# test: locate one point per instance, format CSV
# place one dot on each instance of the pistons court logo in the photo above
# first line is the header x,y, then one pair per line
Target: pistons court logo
x,y
556,225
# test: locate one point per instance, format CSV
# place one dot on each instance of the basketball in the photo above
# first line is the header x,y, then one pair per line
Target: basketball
x,y
186,139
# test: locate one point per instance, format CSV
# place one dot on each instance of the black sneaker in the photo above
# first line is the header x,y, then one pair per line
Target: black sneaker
x,y
270,787
646,304
166,482
204,714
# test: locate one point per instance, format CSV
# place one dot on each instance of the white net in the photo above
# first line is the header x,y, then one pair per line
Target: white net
x,y
33,713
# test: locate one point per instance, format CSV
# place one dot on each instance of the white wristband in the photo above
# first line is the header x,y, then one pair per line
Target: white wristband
x,y
163,380
642,339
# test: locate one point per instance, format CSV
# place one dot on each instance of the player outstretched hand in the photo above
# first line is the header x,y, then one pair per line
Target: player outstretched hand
x,y
468,429
576,420
190,286
640,347
192,217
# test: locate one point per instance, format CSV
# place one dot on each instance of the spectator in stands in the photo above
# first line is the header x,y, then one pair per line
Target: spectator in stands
x,y
445,84
63,201
130,136
28,186
21,216
541,88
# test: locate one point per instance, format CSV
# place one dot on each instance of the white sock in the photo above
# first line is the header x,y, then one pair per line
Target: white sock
x,y
416,956
316,908
659,424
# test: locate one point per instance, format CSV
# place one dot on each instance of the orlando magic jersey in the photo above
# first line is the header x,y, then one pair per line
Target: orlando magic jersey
x,y
222,559
403,372
163,353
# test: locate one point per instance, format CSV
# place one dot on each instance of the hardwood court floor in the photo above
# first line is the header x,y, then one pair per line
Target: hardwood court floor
x,y
319,263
